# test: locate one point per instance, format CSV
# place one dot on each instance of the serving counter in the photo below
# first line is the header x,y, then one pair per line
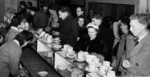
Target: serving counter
x,y
34,63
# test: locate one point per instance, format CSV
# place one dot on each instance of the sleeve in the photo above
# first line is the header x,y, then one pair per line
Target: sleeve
x,y
14,61
72,37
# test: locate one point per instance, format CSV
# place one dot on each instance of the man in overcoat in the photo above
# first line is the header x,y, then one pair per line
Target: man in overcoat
x,y
136,60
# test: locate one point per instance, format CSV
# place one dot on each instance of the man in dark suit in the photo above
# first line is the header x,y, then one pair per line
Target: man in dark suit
x,y
10,53
68,27
136,60
13,31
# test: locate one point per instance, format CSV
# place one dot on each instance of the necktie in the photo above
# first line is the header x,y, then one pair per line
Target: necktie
x,y
136,40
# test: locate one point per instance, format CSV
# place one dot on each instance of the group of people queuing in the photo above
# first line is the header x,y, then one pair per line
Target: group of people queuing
x,y
125,42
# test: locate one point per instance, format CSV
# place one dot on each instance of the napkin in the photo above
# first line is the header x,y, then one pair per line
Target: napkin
x,y
41,47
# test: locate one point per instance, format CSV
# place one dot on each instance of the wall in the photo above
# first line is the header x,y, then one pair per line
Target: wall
x,y
144,5
78,2
33,1
2,8
11,3
131,2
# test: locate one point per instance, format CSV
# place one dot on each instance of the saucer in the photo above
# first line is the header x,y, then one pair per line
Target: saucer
x,y
87,69
80,60
71,56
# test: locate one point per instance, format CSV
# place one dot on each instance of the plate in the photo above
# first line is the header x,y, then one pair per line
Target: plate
x,y
70,56
87,69
57,46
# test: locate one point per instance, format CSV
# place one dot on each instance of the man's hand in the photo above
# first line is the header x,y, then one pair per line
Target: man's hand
x,y
55,33
126,64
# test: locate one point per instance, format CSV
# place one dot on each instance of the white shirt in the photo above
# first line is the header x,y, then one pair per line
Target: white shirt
x,y
141,37
14,28
17,42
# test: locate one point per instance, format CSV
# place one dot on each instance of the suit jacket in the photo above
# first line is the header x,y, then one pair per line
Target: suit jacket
x,y
11,34
139,57
69,31
10,53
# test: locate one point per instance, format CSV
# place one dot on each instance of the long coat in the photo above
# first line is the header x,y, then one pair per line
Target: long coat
x,y
138,56
11,34
121,50
40,19
10,53
69,31
96,45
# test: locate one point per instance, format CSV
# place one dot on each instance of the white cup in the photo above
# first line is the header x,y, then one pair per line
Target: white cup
x,y
65,47
49,39
106,63
92,67
102,72
62,66
70,50
104,68
81,56
111,74
89,58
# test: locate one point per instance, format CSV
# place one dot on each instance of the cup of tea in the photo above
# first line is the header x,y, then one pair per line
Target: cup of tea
x,y
81,55
111,74
106,63
92,67
89,58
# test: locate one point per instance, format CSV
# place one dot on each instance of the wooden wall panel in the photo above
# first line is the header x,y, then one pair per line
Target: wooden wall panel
x,y
78,2
2,8
115,1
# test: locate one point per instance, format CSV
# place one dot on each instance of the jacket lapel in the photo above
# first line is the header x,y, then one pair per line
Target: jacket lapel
x,y
136,50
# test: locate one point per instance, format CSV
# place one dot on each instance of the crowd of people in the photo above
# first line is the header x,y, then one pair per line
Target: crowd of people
x,y
125,42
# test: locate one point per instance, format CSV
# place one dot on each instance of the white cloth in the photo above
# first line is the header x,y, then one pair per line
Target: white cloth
x,y
41,47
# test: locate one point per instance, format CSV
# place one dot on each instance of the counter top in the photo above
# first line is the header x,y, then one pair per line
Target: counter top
x,y
34,63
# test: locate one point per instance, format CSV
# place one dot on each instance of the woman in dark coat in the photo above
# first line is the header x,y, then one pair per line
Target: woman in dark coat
x,y
92,43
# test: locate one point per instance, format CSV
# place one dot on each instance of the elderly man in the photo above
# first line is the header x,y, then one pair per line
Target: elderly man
x,y
68,27
136,60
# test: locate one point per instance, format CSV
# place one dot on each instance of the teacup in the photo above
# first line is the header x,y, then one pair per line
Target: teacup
x,y
111,74
89,58
65,47
102,72
70,50
96,60
104,68
81,56
85,54
106,63
62,66
92,67
49,39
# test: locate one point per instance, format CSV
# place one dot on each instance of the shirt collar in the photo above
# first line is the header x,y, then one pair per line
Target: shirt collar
x,y
14,28
16,41
141,37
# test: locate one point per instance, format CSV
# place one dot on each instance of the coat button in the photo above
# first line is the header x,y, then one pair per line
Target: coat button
x,y
136,64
